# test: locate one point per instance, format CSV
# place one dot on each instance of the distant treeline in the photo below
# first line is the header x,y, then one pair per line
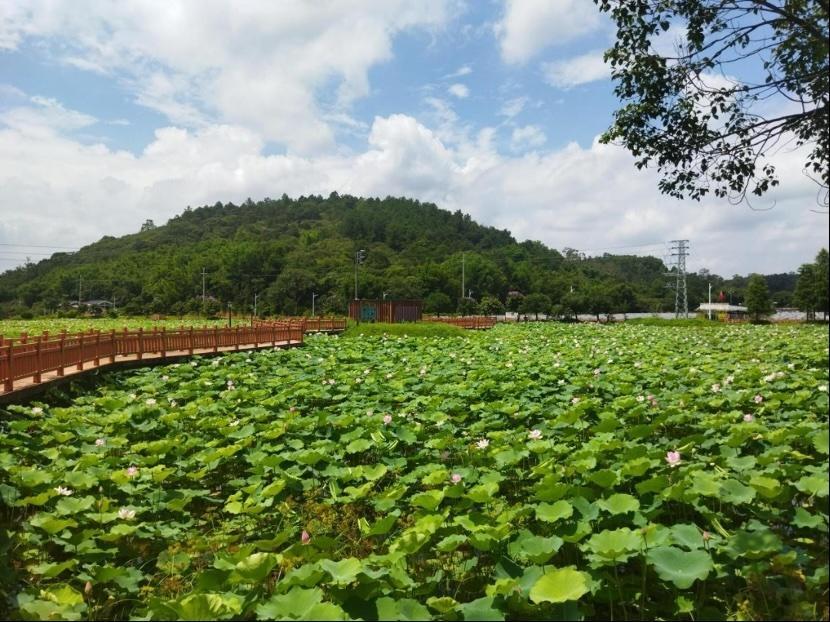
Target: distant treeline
x,y
284,251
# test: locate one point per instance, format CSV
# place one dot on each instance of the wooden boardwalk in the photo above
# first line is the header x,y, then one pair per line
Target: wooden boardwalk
x,y
26,388
32,365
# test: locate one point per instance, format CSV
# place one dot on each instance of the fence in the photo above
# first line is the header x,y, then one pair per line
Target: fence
x,y
470,322
315,324
43,354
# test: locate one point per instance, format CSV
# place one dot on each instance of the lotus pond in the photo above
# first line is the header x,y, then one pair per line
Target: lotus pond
x,y
536,472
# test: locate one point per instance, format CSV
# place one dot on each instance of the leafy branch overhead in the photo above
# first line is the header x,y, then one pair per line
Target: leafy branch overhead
x,y
748,80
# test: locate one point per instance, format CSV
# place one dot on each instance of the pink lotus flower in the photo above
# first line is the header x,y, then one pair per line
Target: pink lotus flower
x,y
574,401
455,478
483,443
535,434
387,419
749,418
758,399
716,388
706,536
64,492
305,538
673,458
126,514
100,442
131,472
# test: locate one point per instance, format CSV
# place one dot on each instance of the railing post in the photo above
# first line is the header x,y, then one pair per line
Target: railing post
x,y
190,342
61,362
140,343
163,342
38,361
236,339
112,346
9,384
215,339
98,348
79,365
24,337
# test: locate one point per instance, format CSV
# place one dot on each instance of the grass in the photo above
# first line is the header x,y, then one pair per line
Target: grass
x,y
420,329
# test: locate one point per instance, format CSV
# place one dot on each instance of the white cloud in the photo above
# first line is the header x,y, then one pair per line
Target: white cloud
x,y
529,26
260,64
459,90
565,74
527,136
464,70
513,107
45,116
572,197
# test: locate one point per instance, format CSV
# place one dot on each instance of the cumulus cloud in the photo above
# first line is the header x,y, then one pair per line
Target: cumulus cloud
x,y
259,64
577,197
529,26
565,74
459,90
527,136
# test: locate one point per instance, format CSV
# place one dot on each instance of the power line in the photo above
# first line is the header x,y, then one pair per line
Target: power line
x,y
74,248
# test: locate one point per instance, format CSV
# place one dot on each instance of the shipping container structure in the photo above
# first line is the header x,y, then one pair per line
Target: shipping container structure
x,y
391,311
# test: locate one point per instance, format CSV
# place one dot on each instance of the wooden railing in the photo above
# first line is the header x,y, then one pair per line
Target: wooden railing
x,y
316,324
35,356
470,322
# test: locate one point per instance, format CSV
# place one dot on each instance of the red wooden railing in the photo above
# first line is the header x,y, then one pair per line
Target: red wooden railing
x,y
470,322
32,357
316,324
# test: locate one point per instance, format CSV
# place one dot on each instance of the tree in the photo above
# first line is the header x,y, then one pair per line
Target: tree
x,y
148,225
690,113
811,288
438,302
758,303
536,304
490,305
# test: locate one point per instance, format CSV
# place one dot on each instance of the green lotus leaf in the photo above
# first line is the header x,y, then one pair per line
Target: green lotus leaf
x,y
682,568
344,571
481,609
536,549
256,567
403,609
560,585
614,545
619,503
550,513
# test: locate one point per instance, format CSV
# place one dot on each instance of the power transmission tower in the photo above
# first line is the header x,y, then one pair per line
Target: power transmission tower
x,y
679,252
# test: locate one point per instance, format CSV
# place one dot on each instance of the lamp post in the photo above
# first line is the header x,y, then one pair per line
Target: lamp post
x,y
385,294
313,298
229,315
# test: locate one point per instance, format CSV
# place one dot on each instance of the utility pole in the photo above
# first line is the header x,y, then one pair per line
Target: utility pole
x,y
229,315
203,287
710,301
463,289
80,280
255,297
313,298
679,252
359,256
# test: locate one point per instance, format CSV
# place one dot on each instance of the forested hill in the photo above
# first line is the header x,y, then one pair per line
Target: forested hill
x,y
285,250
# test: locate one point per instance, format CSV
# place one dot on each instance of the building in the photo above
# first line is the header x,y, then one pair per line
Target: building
x,y
722,311
391,311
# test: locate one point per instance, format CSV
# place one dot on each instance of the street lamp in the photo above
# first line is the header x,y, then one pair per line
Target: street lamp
x,y
359,256
313,297
385,294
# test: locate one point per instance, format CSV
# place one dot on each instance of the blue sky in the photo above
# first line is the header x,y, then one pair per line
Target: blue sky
x,y
111,113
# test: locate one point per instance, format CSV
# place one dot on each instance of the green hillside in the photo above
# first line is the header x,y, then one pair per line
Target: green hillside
x,y
286,249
